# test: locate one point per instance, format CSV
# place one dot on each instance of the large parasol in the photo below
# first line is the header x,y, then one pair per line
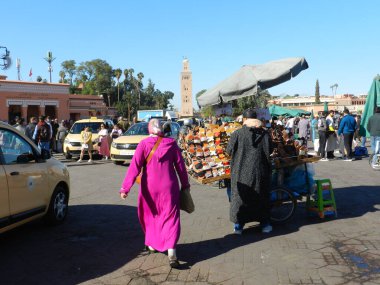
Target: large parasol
x,y
250,79
372,101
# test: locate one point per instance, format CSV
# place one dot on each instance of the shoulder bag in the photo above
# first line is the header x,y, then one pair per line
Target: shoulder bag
x,y
186,201
138,178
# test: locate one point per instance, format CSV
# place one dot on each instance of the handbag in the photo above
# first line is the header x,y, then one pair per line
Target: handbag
x,y
138,178
186,201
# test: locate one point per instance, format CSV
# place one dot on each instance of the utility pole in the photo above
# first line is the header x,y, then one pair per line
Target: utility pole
x,y
18,66
49,60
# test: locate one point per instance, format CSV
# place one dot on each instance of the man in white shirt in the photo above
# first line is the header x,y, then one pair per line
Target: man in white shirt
x,y
290,125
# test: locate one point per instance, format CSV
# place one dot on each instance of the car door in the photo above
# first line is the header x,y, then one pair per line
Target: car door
x,y
26,177
4,199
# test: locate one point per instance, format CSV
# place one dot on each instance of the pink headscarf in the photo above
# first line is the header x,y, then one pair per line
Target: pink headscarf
x,y
154,128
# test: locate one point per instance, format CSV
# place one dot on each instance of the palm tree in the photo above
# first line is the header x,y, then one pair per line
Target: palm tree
x,y
62,75
117,74
140,76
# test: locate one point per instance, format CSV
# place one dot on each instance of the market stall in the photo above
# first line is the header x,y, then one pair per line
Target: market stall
x,y
204,151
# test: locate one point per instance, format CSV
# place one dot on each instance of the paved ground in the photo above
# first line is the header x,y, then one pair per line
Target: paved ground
x,y
101,241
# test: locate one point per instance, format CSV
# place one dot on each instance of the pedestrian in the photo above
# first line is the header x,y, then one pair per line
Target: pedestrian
x,y
123,124
290,126
104,147
20,125
49,122
158,199
314,128
373,127
250,148
331,137
322,133
303,128
54,126
116,132
60,136
279,121
29,129
42,134
347,128
86,140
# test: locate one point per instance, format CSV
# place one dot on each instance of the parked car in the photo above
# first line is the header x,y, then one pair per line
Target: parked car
x,y
72,144
32,184
123,148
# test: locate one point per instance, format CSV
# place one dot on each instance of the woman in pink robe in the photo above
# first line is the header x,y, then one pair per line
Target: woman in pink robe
x,y
158,198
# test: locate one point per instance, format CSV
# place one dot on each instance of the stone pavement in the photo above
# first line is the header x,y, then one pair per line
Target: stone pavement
x,y
101,242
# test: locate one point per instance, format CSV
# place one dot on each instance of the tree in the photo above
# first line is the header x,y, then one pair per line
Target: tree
x,y
317,95
39,78
207,112
62,76
69,68
96,76
140,76
256,101
117,73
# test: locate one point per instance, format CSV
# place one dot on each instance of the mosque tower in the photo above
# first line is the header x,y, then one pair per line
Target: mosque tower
x,y
186,90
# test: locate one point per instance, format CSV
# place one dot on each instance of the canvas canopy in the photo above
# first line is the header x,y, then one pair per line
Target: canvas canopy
x,y
250,79
372,101
275,110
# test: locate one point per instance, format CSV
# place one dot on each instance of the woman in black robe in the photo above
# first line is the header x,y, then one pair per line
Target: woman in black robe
x,y
250,148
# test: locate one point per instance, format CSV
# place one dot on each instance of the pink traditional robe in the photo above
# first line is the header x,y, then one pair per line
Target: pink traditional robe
x,y
158,198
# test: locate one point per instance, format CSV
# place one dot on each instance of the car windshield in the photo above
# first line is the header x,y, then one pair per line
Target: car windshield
x,y
78,127
140,129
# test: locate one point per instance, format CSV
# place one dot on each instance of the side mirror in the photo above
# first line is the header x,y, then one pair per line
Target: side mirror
x,y
45,154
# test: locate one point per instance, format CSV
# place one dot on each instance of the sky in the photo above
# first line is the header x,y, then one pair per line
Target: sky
x,y
338,38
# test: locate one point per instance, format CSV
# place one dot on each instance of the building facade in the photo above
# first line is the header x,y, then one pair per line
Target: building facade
x,y
354,104
28,99
186,90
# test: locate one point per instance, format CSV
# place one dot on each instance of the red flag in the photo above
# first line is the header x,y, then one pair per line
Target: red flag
x,y
30,73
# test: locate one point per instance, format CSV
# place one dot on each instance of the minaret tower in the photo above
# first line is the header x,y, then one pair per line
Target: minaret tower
x,y
186,90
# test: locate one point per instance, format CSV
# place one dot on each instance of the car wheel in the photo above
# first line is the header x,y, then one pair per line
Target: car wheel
x,y
68,155
117,162
58,206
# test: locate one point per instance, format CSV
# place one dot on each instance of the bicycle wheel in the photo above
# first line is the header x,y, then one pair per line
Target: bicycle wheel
x,y
283,205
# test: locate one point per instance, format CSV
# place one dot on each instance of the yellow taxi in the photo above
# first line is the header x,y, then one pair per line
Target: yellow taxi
x,y
123,148
32,184
72,143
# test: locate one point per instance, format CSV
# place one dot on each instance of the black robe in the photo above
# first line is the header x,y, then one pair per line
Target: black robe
x,y
250,148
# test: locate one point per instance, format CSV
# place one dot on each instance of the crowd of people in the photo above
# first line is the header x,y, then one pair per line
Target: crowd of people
x,y
44,131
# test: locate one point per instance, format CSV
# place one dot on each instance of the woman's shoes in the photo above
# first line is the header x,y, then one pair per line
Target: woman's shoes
x,y
150,249
173,262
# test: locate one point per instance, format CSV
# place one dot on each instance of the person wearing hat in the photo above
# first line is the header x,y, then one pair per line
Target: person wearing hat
x,y
250,148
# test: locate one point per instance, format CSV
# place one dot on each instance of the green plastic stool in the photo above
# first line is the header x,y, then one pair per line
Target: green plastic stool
x,y
324,201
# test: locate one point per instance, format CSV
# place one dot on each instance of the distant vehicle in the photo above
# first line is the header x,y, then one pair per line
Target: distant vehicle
x,y
32,184
123,148
198,122
146,115
72,144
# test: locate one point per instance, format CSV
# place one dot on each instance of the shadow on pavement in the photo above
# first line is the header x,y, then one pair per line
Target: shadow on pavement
x,y
351,202
95,240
